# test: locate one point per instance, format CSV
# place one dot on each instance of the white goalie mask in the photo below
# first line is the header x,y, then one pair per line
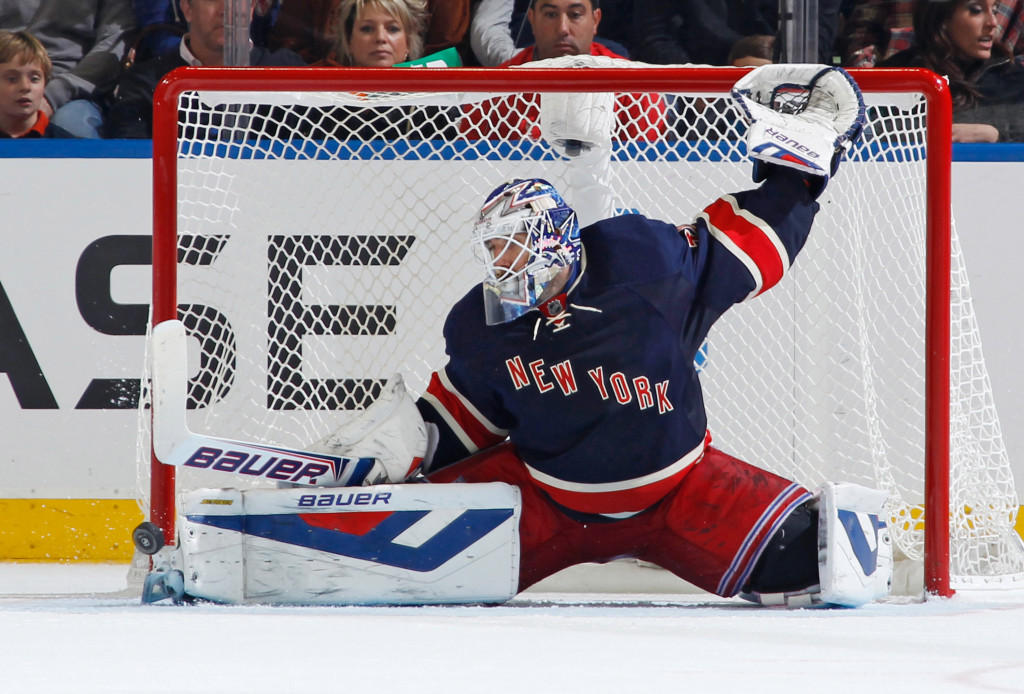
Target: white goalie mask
x,y
525,237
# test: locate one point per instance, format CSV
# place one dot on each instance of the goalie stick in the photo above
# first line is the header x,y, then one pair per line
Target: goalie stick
x,y
174,444
380,544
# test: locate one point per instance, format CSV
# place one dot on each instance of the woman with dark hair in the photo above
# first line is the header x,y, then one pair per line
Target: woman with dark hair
x,y
956,39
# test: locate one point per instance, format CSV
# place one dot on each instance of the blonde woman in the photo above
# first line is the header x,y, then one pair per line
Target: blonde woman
x,y
383,33
380,33
309,27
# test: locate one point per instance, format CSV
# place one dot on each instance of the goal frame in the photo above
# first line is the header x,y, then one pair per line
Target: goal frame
x,y
938,216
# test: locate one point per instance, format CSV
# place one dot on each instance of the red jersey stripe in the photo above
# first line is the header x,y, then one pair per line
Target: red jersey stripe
x,y
750,239
754,544
472,428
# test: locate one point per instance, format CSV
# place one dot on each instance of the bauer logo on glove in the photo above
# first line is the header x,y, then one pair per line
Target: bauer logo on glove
x,y
788,149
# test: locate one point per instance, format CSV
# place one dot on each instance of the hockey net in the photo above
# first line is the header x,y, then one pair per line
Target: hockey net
x,y
311,230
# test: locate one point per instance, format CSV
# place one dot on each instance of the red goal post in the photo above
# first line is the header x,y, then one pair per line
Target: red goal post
x,y
919,138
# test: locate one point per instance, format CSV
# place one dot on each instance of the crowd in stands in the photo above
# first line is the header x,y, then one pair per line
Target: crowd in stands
x,y
88,68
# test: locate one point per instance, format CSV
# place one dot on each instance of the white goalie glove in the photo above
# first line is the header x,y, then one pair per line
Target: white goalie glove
x,y
579,126
389,438
804,117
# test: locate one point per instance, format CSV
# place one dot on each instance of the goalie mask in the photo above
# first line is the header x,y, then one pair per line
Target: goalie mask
x,y
525,237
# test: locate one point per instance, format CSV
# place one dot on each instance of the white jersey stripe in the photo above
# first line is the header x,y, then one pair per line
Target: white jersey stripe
x,y
748,262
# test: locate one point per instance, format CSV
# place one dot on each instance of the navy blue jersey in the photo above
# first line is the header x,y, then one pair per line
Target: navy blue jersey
x,y
601,399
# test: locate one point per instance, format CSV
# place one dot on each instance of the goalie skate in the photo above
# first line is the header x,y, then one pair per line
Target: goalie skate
x,y
164,583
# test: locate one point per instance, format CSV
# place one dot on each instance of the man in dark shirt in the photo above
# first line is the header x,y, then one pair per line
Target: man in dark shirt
x,y
131,115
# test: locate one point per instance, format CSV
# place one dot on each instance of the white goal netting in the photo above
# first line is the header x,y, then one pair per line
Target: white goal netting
x,y
322,236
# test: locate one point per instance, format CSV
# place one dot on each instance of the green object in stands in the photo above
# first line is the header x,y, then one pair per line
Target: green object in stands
x,y
449,57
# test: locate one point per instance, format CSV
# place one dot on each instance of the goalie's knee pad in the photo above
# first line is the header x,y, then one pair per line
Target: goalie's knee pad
x,y
854,553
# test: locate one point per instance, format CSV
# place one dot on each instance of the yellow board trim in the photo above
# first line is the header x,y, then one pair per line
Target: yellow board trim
x,y
87,530
91,530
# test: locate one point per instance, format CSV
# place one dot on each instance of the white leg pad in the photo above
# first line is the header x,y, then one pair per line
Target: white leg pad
x,y
854,548
385,544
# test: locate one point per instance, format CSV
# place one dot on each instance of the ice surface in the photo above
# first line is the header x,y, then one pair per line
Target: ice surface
x,y
66,628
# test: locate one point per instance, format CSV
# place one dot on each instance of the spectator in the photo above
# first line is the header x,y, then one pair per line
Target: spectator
x,y
878,29
161,26
25,68
85,40
380,33
752,51
501,27
956,39
131,115
563,28
309,27
671,32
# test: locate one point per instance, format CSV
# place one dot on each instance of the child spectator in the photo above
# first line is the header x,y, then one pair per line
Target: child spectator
x,y
25,69
86,40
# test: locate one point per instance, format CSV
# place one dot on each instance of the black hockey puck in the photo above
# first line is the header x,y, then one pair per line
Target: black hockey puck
x,y
148,537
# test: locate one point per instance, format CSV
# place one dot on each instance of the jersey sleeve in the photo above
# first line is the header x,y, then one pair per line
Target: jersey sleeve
x,y
745,243
462,427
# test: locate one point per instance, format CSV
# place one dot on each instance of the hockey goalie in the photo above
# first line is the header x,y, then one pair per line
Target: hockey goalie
x,y
567,425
